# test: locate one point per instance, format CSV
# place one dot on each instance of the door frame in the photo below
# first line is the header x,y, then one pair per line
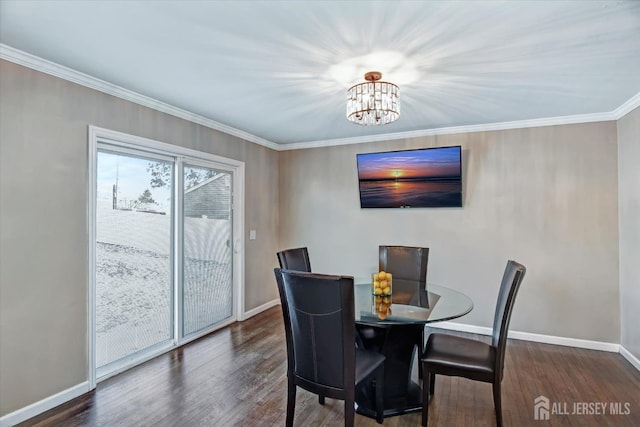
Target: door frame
x,y
98,135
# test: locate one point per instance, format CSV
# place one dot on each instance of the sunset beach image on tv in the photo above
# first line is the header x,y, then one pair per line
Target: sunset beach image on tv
x,y
429,177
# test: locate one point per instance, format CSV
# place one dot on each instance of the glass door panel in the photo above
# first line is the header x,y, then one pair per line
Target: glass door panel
x,y
133,255
207,285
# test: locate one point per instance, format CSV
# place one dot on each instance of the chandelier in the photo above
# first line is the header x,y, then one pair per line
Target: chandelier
x,y
373,102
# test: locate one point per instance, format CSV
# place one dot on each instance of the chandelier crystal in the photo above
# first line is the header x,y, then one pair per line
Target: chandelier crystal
x,y
373,102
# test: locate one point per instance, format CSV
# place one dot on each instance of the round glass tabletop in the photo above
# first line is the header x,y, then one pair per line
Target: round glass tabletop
x,y
409,302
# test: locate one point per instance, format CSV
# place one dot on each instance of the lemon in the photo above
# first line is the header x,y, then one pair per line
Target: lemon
x,y
382,275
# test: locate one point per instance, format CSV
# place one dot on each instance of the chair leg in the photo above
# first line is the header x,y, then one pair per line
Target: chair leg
x,y
432,384
420,351
349,412
426,385
380,394
291,401
321,399
497,402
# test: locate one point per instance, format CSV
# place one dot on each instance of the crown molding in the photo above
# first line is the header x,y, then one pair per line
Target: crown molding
x,y
39,64
627,107
519,124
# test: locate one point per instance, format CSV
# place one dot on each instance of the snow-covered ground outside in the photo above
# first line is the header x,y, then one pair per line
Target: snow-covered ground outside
x,y
134,286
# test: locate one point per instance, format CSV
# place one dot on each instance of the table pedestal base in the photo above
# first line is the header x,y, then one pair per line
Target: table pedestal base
x,y
398,344
412,402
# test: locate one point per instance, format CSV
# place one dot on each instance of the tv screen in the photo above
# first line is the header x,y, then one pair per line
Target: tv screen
x,y
423,178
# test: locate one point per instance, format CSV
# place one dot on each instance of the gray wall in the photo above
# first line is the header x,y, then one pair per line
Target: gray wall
x,y
43,221
629,192
546,197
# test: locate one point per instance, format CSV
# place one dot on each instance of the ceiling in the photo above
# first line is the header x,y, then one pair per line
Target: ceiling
x,y
279,70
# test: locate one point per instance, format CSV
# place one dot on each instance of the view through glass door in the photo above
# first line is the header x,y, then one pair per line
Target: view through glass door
x,y
163,253
133,257
207,248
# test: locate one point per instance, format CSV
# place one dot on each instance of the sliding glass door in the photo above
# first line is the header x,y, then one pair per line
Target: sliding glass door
x,y
207,248
162,252
134,280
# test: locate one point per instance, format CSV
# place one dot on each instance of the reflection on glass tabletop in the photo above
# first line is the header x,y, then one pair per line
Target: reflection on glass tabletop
x,y
410,302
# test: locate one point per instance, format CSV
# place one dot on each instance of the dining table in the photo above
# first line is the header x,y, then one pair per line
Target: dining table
x,y
393,325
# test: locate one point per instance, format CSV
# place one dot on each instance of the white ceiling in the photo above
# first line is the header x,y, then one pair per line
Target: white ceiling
x,y
279,70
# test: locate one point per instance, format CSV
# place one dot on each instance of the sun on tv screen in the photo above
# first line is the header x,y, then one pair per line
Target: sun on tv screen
x,y
424,178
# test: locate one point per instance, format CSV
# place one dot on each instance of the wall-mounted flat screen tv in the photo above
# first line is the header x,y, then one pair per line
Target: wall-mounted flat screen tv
x,y
423,178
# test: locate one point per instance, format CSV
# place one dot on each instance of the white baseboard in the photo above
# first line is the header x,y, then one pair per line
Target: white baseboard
x,y
259,309
630,357
43,405
527,336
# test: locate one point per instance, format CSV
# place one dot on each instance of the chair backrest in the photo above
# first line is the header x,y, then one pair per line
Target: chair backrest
x,y
319,318
404,262
511,279
295,259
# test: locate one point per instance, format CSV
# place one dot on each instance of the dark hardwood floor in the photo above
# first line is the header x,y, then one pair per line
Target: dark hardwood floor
x,y
236,377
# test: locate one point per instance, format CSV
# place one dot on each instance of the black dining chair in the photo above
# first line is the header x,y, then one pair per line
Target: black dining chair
x,y
319,319
296,259
476,360
406,263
